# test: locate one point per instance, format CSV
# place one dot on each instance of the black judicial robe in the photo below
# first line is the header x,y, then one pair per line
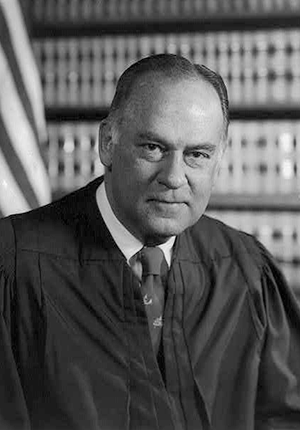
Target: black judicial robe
x,y
75,352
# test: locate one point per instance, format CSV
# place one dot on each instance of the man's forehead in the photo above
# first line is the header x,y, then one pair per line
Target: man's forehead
x,y
155,80
153,87
161,100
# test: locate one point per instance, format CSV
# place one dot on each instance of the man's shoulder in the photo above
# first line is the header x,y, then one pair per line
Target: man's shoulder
x,y
49,227
220,241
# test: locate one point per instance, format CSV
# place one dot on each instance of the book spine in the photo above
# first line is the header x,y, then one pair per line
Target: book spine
x,y
72,154
259,68
116,10
261,158
286,159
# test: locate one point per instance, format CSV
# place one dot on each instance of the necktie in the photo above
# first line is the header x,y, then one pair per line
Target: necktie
x,y
154,266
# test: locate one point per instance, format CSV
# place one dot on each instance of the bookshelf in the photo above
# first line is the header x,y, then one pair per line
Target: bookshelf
x,y
260,68
146,14
255,202
196,24
82,46
258,113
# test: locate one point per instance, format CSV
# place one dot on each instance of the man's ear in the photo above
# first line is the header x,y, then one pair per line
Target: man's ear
x,y
106,144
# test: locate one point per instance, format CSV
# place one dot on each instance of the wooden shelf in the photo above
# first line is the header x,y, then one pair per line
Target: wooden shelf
x,y
68,113
142,24
248,113
264,112
240,202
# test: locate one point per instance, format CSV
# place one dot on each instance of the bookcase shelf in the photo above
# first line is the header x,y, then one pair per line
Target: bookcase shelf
x,y
259,113
254,202
86,114
158,24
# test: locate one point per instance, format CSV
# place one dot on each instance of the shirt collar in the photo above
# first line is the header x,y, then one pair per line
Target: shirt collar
x,y
127,243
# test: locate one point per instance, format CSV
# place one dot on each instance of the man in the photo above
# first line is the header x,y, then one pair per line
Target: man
x,y
81,344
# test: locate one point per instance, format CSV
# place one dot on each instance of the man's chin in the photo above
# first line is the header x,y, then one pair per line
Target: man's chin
x,y
166,209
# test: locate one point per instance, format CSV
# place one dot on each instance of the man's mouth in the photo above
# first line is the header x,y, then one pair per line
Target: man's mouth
x,y
168,203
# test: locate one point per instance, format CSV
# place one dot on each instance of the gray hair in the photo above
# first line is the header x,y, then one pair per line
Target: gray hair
x,y
170,66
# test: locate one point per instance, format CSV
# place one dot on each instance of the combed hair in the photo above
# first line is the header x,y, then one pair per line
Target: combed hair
x,y
172,67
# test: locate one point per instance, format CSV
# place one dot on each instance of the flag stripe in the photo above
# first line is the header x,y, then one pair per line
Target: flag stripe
x,y
26,60
16,167
21,136
24,183
11,196
5,42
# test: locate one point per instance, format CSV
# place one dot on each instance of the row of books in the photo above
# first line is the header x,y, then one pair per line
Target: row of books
x,y
258,67
72,155
78,10
278,231
262,157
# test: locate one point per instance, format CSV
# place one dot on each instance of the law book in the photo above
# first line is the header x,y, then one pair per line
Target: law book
x,y
262,157
259,68
103,10
287,160
72,155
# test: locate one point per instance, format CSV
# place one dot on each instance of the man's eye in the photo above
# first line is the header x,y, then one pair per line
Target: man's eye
x,y
152,151
153,147
199,154
196,158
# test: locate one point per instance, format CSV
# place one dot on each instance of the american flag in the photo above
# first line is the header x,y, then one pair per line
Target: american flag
x,y
23,178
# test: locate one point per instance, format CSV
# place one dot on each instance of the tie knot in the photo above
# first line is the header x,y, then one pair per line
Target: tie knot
x,y
151,259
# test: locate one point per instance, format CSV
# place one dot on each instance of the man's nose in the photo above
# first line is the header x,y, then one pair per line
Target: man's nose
x,y
173,171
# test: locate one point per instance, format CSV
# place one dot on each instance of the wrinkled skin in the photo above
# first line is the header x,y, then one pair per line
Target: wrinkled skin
x,y
162,162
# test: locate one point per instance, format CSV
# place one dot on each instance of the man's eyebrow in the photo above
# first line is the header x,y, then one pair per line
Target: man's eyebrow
x,y
207,146
149,135
210,147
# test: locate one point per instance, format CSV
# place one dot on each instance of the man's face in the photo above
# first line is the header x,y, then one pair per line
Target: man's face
x,y
165,157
